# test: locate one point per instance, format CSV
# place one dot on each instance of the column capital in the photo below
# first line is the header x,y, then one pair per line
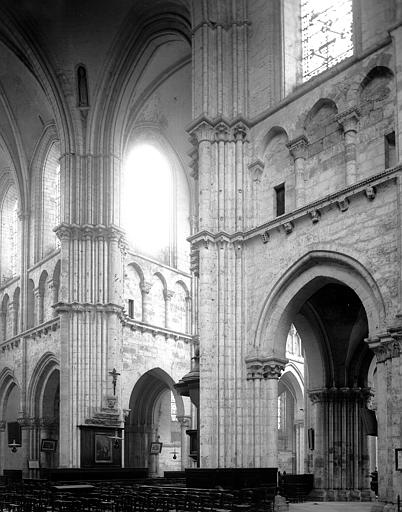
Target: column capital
x,y
202,131
256,168
254,368
349,119
273,367
168,295
345,393
240,132
145,287
298,147
385,346
222,132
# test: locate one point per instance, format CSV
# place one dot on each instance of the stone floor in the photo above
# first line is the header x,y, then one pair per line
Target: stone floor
x,y
334,506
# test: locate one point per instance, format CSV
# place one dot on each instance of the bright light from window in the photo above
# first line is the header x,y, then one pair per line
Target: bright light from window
x,y
146,201
326,34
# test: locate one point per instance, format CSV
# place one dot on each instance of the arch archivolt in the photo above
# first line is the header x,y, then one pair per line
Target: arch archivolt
x,y
300,282
43,370
7,382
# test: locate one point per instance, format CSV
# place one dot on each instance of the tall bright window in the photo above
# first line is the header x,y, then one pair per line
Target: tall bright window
x,y
9,234
327,36
147,202
50,200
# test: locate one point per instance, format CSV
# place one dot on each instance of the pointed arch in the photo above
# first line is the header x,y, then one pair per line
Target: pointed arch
x,y
302,279
42,372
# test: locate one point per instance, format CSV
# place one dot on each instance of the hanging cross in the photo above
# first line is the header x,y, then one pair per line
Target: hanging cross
x,y
114,375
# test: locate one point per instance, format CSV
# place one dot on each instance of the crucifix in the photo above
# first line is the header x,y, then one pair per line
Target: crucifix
x,y
114,375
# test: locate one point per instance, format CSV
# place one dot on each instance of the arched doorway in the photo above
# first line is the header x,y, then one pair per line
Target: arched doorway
x,y
155,410
10,430
44,403
334,307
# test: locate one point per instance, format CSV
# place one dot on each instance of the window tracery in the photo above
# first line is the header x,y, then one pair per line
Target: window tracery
x,y
327,34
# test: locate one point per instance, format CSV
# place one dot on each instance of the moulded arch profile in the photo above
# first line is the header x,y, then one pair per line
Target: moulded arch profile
x,y
291,379
318,105
273,132
145,393
137,268
41,374
300,282
183,285
380,72
162,279
362,78
7,383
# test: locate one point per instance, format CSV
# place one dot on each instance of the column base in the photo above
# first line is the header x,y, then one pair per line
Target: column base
x,y
341,495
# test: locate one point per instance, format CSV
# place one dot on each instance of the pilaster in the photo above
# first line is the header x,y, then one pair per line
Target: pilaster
x,y
298,150
349,120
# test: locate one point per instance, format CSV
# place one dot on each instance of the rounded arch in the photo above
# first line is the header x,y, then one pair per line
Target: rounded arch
x,y
146,391
41,374
318,105
7,383
138,269
272,132
300,281
162,279
184,287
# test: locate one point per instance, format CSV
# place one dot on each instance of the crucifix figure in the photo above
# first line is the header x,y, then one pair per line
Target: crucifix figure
x,y
114,375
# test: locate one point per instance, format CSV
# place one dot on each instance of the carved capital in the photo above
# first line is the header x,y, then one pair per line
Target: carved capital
x,y
145,287
254,368
256,169
385,347
240,132
203,131
273,367
298,147
349,119
222,132
168,295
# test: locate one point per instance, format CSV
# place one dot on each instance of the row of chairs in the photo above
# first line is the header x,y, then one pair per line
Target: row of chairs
x,y
127,497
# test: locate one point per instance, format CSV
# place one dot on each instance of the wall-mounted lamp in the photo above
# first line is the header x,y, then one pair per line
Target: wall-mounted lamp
x,y
13,446
174,454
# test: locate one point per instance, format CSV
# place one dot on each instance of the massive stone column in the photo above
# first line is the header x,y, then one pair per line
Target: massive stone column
x,y
262,410
90,300
387,349
220,135
340,455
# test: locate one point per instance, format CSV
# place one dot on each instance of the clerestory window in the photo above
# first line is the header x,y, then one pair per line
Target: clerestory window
x,y
327,34
9,231
147,202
